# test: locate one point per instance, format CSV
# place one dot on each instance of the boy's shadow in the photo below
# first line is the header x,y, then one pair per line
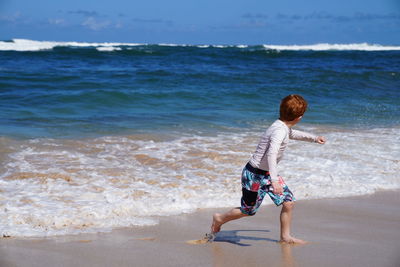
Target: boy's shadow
x,y
234,238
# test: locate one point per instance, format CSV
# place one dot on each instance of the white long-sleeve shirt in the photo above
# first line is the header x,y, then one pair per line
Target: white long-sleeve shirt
x,y
272,145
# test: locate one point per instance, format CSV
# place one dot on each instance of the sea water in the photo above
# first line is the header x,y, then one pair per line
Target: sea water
x,y
95,136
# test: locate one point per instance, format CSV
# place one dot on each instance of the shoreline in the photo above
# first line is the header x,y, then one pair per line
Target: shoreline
x,y
351,231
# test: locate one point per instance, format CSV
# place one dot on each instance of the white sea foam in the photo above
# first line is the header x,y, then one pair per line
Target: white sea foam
x,y
339,47
55,187
31,45
108,48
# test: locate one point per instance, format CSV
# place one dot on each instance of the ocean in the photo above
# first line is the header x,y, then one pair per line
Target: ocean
x,y
97,136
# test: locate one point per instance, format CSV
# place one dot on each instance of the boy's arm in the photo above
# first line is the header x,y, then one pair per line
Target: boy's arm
x,y
303,136
276,140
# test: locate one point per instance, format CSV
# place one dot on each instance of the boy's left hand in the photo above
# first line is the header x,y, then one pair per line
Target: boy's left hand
x,y
277,188
321,140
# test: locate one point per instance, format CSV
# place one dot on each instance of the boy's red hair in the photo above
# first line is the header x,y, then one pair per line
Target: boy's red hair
x,y
292,107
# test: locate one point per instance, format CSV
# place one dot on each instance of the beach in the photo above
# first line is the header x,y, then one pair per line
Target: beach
x,y
117,154
353,231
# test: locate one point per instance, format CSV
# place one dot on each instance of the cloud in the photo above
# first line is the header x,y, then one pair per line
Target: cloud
x,y
11,18
255,16
250,21
94,24
320,15
339,18
57,21
265,21
85,13
288,17
153,21
363,16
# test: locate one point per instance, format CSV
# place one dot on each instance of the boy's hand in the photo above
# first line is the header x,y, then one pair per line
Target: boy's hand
x,y
321,140
277,188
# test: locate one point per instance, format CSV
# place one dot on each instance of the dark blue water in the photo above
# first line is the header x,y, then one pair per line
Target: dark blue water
x,y
74,92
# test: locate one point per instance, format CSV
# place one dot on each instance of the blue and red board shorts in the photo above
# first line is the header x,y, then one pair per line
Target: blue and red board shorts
x,y
256,183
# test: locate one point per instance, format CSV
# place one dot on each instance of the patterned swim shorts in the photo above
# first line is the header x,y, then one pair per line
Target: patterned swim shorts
x,y
254,188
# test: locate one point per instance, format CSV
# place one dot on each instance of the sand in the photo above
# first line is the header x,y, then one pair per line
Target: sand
x,y
354,231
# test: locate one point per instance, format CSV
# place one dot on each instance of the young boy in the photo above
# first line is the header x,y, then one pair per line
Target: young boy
x,y
260,177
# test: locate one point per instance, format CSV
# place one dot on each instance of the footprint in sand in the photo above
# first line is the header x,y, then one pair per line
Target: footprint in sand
x,y
197,242
146,239
208,238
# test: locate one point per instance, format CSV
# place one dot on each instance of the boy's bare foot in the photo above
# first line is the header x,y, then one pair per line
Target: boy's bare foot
x,y
293,241
216,223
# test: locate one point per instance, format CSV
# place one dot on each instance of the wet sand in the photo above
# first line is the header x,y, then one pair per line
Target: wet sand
x,y
355,231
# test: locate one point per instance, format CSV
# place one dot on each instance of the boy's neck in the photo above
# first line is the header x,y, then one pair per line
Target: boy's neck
x,y
291,123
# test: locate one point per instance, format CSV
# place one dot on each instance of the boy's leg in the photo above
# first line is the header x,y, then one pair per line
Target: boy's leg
x,y
287,201
286,220
253,192
220,219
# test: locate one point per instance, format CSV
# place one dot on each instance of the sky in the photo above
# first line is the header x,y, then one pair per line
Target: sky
x,y
203,21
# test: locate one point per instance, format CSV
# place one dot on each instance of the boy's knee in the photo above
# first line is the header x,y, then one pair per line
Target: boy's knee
x,y
289,205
